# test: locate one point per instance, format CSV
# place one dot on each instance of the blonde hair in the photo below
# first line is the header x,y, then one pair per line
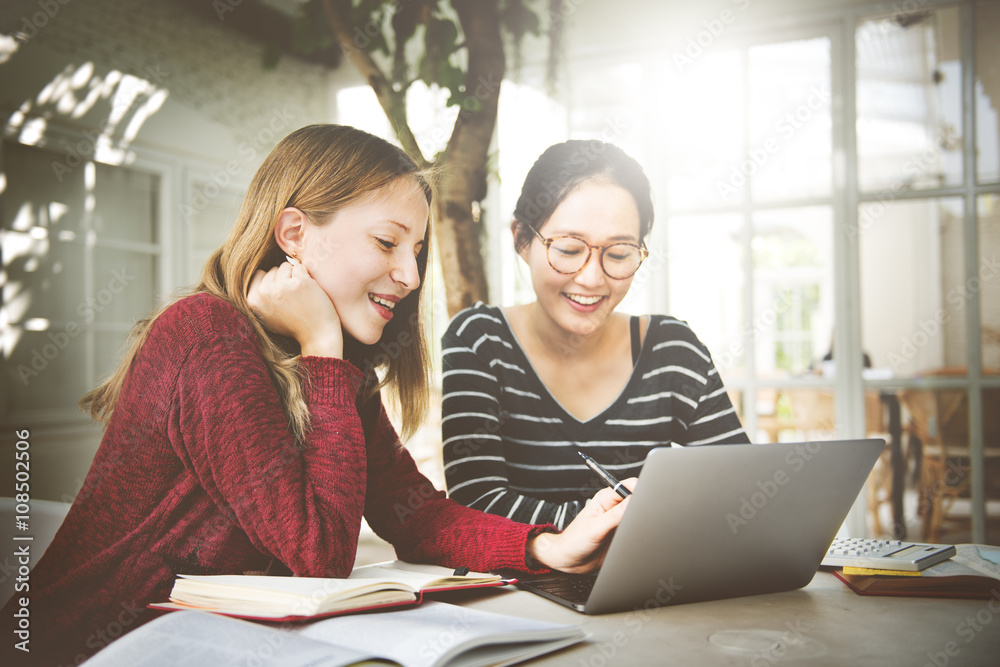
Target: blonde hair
x,y
318,169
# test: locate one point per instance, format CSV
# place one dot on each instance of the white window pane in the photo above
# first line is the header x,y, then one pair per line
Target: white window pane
x,y
793,288
125,206
913,291
988,92
705,261
909,101
989,285
791,140
208,221
60,281
597,110
703,128
124,286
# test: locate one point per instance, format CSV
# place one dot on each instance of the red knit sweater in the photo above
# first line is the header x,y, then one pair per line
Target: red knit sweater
x,y
197,473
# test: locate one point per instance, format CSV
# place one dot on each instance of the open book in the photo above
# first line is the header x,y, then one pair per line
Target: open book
x,y
434,634
967,574
388,584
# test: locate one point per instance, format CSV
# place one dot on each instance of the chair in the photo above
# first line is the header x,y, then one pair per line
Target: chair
x,y
45,517
939,420
812,413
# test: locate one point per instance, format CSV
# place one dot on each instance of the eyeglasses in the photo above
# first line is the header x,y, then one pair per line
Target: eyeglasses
x,y
568,254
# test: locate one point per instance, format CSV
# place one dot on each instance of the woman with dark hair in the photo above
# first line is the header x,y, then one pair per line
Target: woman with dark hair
x,y
244,427
525,388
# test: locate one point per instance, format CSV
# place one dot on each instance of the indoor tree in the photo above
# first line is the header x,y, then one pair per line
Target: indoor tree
x,y
456,45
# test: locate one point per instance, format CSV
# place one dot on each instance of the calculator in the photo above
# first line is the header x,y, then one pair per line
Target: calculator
x,y
885,554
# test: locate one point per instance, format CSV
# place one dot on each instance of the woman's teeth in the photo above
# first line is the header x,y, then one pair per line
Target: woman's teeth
x,y
584,300
382,302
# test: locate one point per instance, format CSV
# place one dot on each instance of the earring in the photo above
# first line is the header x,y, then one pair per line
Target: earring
x,y
294,259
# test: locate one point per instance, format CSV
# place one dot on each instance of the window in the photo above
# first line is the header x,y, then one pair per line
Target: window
x,y
800,202
81,253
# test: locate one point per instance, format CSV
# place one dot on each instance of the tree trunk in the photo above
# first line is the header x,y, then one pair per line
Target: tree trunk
x,y
462,165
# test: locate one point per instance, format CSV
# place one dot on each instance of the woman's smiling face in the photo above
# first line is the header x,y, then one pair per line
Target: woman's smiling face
x,y
365,257
600,213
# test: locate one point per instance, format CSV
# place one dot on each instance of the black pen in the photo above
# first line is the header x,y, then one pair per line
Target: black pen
x,y
606,476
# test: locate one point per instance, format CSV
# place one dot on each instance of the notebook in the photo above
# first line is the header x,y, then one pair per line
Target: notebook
x,y
721,521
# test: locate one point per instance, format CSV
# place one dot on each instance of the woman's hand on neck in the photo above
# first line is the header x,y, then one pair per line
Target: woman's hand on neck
x,y
289,302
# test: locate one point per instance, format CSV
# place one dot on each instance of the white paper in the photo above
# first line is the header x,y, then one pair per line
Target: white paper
x,y
199,638
428,635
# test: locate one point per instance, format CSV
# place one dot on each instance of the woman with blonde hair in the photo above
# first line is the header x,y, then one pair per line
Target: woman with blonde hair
x,y
244,428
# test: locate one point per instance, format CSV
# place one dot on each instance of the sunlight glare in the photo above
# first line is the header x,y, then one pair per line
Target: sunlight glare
x,y
32,132
358,107
430,117
8,47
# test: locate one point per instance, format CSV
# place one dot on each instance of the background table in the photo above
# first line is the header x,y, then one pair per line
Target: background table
x,y
824,623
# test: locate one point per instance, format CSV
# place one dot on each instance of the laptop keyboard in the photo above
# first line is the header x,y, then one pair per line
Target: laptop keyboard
x,y
574,589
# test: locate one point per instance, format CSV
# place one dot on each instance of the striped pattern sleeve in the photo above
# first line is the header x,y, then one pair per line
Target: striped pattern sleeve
x,y
475,465
705,413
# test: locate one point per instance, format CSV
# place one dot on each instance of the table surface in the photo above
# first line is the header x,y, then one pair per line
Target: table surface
x,y
824,623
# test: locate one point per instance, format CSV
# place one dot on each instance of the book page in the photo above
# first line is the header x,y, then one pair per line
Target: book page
x,y
199,638
420,576
966,561
434,632
278,597
284,587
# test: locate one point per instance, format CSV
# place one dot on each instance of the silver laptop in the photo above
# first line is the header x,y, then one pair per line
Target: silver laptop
x,y
721,521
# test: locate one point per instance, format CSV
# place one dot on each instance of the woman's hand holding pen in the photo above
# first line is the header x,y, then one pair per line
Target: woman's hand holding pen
x,y
289,302
582,545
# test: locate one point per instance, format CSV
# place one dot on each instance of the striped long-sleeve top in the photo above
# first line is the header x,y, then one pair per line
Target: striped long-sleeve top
x,y
510,447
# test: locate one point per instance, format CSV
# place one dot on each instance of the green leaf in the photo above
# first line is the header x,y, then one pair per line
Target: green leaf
x,y
308,35
453,79
368,18
404,25
405,21
442,35
435,66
